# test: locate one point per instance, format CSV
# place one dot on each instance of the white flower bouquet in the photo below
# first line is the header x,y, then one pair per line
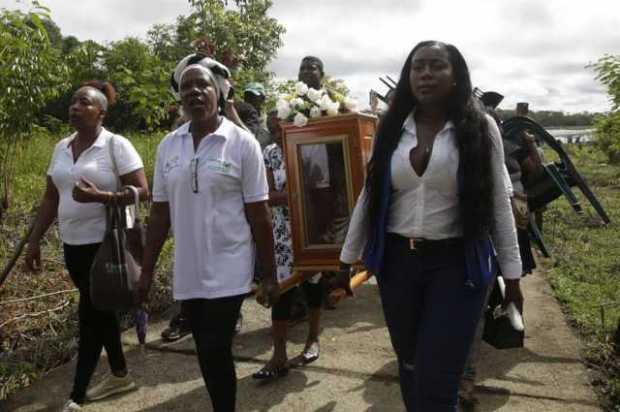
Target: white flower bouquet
x,y
301,103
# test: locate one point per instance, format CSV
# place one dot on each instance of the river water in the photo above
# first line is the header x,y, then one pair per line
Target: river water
x,y
574,135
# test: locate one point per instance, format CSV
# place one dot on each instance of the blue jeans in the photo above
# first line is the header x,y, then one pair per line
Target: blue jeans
x,y
431,316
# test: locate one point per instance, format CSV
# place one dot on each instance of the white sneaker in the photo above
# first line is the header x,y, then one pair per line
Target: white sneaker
x,y
71,406
110,385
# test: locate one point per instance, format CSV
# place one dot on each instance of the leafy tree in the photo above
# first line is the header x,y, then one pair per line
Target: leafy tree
x,y
31,74
51,28
607,70
240,34
162,40
142,82
608,136
69,43
84,62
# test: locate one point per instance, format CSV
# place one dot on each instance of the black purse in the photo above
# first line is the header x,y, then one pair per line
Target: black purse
x,y
114,269
499,329
116,266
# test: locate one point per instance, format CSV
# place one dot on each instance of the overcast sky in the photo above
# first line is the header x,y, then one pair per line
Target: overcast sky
x,y
528,50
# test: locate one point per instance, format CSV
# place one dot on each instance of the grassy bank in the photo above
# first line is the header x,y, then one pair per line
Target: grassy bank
x,y
585,269
38,332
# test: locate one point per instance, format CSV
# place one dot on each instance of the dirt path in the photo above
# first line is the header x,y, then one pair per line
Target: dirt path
x,y
356,371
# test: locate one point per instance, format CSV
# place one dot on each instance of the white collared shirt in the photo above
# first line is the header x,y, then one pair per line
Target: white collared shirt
x,y
214,247
427,206
84,223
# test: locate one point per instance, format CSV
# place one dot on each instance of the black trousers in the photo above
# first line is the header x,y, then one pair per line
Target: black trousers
x,y
98,329
431,316
213,326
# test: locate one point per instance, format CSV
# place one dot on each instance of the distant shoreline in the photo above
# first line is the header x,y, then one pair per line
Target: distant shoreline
x,y
572,134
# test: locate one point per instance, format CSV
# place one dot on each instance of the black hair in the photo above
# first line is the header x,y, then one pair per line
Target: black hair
x,y
472,136
313,60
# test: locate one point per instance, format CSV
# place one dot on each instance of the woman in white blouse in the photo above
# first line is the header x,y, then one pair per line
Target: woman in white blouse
x,y
210,187
80,180
434,198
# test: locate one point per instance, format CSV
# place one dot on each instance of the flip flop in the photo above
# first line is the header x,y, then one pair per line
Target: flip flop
x,y
268,374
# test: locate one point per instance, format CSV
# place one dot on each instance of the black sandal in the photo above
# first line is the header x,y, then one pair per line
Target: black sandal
x,y
268,373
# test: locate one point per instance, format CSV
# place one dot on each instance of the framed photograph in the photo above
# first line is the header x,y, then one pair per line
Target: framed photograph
x,y
325,164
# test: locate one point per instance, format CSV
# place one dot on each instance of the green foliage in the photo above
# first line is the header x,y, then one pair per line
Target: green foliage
x,y
608,127
162,40
608,72
51,67
85,61
607,136
586,258
31,72
142,82
243,37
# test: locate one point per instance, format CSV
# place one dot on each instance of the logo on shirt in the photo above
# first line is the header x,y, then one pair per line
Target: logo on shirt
x,y
171,163
218,165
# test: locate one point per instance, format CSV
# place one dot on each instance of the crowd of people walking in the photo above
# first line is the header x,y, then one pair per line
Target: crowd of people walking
x,y
433,223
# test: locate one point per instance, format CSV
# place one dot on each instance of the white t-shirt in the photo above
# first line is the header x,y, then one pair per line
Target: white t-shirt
x,y
207,191
84,223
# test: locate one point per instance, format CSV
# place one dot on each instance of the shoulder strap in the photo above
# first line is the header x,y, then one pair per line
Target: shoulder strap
x,y
113,158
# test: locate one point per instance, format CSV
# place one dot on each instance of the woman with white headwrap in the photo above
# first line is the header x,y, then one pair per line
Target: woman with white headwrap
x,y
222,82
210,187
81,179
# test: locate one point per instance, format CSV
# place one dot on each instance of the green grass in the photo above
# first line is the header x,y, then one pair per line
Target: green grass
x,y
584,273
585,269
32,345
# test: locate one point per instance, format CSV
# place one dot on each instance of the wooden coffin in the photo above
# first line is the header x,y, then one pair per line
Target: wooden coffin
x,y
325,165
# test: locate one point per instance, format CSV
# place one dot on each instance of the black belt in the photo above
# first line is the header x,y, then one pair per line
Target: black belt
x,y
425,245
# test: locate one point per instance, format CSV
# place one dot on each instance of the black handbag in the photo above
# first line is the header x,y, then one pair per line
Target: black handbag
x,y
499,331
116,266
114,269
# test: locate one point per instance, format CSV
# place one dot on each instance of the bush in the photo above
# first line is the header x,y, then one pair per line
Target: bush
x,y
607,136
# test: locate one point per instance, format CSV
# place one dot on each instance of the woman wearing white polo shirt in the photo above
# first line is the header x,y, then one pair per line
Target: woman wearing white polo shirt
x,y
80,180
210,186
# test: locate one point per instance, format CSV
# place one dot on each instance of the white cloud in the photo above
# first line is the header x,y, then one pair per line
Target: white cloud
x,y
525,49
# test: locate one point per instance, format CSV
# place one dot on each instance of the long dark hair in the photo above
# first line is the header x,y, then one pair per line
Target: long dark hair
x,y
472,136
